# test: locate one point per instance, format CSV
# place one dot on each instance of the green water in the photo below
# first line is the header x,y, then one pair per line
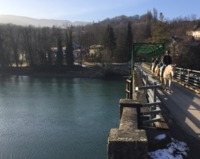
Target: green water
x,y
57,118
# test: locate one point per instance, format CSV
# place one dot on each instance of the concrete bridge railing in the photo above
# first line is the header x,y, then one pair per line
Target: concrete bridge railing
x,y
130,141
127,141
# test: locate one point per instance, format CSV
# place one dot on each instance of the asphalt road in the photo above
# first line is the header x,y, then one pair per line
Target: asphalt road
x,y
184,107
181,110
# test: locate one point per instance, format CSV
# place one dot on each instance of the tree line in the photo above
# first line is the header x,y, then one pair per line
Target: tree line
x,y
33,45
19,44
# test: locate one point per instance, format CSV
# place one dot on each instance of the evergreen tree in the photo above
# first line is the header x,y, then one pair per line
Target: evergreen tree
x,y
2,52
29,42
108,43
148,22
129,42
160,32
69,48
120,53
124,45
59,58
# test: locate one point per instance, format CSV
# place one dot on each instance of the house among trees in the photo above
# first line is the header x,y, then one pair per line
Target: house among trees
x,y
195,33
54,51
95,49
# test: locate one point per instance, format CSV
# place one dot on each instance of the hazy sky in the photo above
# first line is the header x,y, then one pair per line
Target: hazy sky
x,y
97,10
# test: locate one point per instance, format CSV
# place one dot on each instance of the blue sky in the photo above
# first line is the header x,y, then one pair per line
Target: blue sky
x,y
97,10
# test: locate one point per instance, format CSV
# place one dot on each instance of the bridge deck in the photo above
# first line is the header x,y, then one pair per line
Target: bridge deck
x,y
184,108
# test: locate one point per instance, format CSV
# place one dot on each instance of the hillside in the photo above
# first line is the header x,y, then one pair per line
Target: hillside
x,y
25,21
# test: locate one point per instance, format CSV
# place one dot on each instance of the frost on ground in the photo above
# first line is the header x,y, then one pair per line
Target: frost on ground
x,y
175,150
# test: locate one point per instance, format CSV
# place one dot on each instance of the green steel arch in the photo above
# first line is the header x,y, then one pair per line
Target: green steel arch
x,y
147,51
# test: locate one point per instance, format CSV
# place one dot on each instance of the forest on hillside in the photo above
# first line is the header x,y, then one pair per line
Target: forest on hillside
x,y
55,46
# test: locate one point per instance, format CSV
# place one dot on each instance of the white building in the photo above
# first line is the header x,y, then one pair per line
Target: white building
x,y
94,49
195,33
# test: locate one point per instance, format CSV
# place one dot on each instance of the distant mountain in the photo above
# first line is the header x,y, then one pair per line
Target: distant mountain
x,y
25,21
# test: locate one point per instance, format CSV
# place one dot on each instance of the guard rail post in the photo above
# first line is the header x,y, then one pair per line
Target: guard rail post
x,y
188,76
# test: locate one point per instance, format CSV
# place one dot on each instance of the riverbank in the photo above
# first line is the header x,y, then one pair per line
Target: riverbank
x,y
89,71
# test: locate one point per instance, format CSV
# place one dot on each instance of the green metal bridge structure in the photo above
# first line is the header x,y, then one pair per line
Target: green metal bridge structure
x,y
130,140
142,51
146,51
141,109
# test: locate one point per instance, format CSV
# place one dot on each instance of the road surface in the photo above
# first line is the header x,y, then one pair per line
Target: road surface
x,y
184,107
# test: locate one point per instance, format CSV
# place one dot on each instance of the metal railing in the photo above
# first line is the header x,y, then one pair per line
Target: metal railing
x,y
150,87
187,76
128,89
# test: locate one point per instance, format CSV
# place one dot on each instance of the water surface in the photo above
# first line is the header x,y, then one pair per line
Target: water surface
x,y
57,118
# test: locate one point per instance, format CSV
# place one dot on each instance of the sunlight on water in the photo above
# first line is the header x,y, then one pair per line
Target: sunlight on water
x,y
54,118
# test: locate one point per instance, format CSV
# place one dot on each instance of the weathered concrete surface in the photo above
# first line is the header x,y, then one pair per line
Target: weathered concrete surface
x,y
127,145
129,120
128,103
128,142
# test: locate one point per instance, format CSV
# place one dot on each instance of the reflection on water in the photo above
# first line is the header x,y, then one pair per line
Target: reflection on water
x,y
57,118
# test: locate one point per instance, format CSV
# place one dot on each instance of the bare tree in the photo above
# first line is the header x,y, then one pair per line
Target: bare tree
x,y
14,33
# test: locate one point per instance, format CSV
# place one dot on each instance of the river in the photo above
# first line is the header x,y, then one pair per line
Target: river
x,y
57,117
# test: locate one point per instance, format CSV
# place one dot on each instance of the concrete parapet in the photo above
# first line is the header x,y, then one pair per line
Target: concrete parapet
x,y
129,103
127,141
129,119
127,145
